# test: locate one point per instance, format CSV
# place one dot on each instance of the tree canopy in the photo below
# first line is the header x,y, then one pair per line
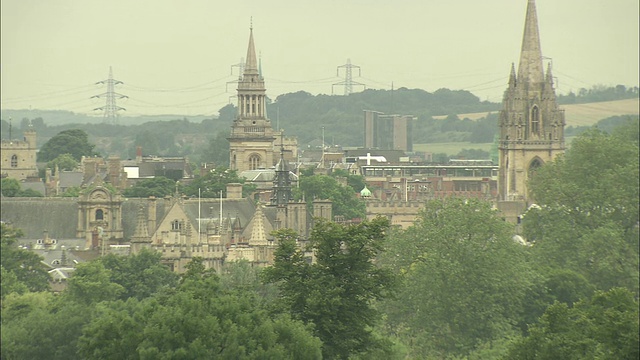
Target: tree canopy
x,y
345,201
74,142
212,183
464,279
158,186
20,268
587,218
335,293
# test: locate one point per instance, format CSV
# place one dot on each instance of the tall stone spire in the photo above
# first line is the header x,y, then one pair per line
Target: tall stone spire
x,y
530,68
251,64
251,139
531,123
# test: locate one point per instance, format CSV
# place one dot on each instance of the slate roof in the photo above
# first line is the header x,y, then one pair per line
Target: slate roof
x,y
70,178
34,215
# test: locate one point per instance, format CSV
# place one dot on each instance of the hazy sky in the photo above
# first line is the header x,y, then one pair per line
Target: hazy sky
x,y
176,57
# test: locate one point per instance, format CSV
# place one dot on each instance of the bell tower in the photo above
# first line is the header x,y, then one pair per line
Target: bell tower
x,y
252,137
531,124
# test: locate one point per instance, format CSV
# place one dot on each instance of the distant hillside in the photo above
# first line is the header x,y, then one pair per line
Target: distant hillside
x,y
61,117
580,114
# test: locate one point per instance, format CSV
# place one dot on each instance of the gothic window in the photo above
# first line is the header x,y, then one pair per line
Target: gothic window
x,y
99,215
175,225
254,162
14,161
533,167
535,120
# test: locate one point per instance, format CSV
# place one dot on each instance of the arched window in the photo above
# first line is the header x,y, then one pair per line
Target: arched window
x,y
99,214
14,161
254,162
535,120
175,225
534,165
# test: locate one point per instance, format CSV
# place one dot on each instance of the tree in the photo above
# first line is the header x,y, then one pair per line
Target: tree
x,y
91,284
41,326
344,198
72,191
464,279
10,187
214,181
336,293
140,275
158,186
74,142
63,162
587,216
356,182
23,264
602,327
199,321
218,150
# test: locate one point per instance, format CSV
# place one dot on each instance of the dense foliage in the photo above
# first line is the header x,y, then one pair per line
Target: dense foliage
x,y
135,308
158,186
74,142
336,292
12,188
21,269
465,280
345,202
587,219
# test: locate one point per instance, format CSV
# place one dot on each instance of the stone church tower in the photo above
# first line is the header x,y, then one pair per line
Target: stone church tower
x,y
531,124
252,137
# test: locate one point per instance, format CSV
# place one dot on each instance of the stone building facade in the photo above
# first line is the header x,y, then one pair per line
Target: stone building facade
x,y
19,157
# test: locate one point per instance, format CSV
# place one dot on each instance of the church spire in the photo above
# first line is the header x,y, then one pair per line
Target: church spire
x,y
512,76
282,182
530,68
251,64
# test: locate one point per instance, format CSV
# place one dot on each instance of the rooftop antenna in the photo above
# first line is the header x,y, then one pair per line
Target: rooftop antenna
x,y
322,158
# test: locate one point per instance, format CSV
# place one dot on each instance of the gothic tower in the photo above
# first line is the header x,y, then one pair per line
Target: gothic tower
x,y
281,195
251,140
531,124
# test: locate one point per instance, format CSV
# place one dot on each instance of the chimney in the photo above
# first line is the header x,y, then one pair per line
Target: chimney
x,y
138,154
234,191
151,221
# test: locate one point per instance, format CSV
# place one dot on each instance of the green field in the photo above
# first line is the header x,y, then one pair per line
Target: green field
x,y
451,148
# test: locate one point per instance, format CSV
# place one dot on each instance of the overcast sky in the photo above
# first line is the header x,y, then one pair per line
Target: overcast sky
x,y
176,57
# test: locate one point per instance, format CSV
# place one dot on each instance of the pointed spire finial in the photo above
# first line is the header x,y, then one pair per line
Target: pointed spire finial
x,y
251,62
251,23
530,67
512,75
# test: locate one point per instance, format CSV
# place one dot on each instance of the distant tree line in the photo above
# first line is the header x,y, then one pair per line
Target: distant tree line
x,y
599,93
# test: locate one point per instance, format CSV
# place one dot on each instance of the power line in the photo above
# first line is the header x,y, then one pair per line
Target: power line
x,y
110,108
348,78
